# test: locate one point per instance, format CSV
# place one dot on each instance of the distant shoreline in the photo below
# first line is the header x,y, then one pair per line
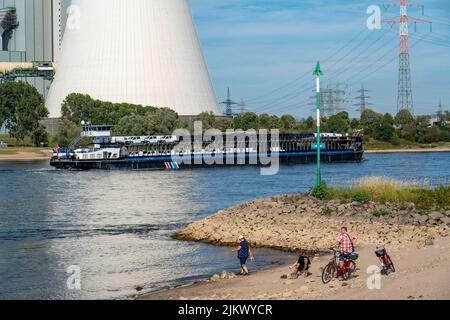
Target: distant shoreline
x,y
43,155
24,155
424,150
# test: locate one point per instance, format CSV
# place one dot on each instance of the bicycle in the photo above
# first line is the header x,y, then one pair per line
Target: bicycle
x,y
387,266
333,268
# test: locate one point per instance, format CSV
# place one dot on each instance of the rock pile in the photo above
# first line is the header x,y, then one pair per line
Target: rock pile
x,y
302,222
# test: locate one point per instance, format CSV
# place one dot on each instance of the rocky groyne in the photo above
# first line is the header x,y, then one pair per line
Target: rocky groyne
x,y
302,222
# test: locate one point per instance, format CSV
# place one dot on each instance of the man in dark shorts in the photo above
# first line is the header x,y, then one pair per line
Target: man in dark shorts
x,y
302,265
244,252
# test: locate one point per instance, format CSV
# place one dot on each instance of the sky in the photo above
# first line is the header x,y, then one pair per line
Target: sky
x,y
266,51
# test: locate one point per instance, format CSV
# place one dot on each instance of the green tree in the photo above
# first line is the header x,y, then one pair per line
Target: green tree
x,y
40,136
133,125
384,131
339,123
268,122
79,107
208,120
404,117
387,118
68,131
355,124
431,135
246,121
164,121
288,122
224,124
369,121
21,108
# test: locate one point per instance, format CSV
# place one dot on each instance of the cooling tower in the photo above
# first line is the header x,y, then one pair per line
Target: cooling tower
x,y
136,51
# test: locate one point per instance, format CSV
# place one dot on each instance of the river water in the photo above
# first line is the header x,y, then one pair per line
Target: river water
x,y
115,227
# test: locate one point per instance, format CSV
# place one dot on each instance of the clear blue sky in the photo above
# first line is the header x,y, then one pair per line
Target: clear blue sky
x,y
256,47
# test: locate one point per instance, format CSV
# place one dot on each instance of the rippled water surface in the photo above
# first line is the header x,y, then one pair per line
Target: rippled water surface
x,y
116,226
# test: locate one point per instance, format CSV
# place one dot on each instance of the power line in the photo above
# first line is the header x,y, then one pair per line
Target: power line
x,y
307,73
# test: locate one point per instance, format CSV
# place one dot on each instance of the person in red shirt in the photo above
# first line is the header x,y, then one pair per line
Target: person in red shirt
x,y
346,245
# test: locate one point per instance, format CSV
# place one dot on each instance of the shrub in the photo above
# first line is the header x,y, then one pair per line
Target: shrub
x,y
360,197
327,212
442,197
321,191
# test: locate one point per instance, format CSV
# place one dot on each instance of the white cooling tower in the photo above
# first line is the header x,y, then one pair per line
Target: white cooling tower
x,y
136,51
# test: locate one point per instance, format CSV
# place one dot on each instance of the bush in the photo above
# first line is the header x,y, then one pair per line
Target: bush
x,y
442,197
327,212
360,197
321,191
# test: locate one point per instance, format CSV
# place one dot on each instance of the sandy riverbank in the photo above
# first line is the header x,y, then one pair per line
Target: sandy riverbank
x,y
423,272
425,150
302,222
24,154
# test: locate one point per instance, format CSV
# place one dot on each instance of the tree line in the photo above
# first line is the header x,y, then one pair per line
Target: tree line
x,y
22,108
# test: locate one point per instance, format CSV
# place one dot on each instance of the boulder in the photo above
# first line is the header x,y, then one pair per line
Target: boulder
x,y
445,220
420,218
435,215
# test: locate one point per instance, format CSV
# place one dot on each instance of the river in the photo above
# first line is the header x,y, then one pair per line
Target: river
x,y
115,227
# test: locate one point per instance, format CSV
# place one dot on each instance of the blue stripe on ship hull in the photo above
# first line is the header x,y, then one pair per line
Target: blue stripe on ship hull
x,y
286,154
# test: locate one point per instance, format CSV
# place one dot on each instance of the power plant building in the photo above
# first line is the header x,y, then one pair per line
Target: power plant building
x,y
32,30
143,52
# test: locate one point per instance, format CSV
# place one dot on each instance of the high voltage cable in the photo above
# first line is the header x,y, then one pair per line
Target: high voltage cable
x,y
307,73
295,93
348,67
365,76
438,20
434,41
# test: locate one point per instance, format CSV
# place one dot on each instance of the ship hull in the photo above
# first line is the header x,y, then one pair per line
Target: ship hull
x,y
176,163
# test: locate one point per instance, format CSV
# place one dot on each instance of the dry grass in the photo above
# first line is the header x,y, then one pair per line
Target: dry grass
x,y
383,189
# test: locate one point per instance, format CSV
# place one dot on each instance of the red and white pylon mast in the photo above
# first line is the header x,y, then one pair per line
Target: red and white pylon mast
x,y
405,93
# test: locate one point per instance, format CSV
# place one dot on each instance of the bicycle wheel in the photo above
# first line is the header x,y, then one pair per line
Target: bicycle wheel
x,y
328,273
390,264
352,268
345,274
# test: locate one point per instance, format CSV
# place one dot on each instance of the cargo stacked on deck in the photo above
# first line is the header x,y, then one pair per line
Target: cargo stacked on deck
x,y
171,152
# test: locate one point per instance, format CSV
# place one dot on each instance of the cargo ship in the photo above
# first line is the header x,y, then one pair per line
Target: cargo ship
x,y
107,152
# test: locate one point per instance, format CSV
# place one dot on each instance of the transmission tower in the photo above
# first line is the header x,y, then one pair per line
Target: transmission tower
x,y
242,107
440,113
332,99
405,93
229,105
362,99
340,98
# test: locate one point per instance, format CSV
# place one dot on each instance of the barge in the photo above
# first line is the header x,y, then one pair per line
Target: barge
x,y
186,152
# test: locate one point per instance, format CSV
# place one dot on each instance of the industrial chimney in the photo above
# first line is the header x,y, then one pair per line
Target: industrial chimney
x,y
136,51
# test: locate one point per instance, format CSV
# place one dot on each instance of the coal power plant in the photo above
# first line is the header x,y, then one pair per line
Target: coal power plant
x,y
134,51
